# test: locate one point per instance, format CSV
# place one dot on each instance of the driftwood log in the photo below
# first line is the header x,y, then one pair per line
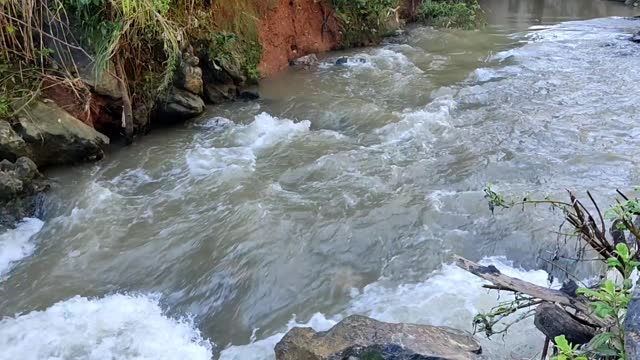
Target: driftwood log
x,y
580,325
553,321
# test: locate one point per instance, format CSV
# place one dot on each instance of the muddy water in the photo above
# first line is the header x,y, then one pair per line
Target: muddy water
x,y
345,189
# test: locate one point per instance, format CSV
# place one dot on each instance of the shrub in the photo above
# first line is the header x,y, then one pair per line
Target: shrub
x,y
450,13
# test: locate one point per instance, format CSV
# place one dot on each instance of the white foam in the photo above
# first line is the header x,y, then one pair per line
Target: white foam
x,y
267,130
384,59
16,244
113,327
418,124
448,297
203,161
246,143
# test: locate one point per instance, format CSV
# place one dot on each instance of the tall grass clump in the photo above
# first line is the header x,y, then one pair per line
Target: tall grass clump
x,y
28,39
364,21
135,40
450,13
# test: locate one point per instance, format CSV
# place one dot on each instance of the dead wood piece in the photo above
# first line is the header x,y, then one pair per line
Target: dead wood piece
x,y
493,275
553,321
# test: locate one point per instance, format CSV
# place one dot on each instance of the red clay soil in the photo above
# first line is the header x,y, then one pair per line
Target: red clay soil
x,y
91,109
294,28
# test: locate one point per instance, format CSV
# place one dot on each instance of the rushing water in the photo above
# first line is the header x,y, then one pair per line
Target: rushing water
x,y
345,189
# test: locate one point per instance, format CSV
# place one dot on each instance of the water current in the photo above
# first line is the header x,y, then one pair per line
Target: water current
x,y
344,189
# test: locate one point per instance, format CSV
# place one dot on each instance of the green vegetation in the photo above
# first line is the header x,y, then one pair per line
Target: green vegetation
x,y
364,21
138,41
450,13
610,303
609,299
227,34
567,351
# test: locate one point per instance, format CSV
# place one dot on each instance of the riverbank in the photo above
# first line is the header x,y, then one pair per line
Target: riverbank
x,y
70,109
345,197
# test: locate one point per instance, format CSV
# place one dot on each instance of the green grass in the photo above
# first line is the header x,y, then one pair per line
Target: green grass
x,y
450,13
364,21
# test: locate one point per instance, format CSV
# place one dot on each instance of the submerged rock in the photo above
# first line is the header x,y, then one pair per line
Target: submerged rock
x,y
360,337
220,93
54,137
249,93
636,37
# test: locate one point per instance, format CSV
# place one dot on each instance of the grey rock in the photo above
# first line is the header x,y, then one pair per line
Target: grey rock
x,y
55,137
360,337
388,351
189,76
10,186
20,184
250,94
12,146
26,169
180,105
190,59
6,165
305,61
636,37
220,93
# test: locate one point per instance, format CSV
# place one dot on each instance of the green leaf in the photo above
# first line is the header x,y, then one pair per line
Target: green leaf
x,y
623,251
562,343
614,263
603,310
600,339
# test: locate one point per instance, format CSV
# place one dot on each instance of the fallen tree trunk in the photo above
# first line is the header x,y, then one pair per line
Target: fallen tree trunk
x,y
507,283
553,321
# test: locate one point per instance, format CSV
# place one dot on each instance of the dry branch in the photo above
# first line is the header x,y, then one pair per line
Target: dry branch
x,y
493,275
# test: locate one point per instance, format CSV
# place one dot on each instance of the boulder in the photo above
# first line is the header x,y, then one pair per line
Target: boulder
x,y
189,75
636,37
12,146
55,137
181,105
360,337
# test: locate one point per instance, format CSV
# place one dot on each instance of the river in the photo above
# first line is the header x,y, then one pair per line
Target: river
x,y
345,189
